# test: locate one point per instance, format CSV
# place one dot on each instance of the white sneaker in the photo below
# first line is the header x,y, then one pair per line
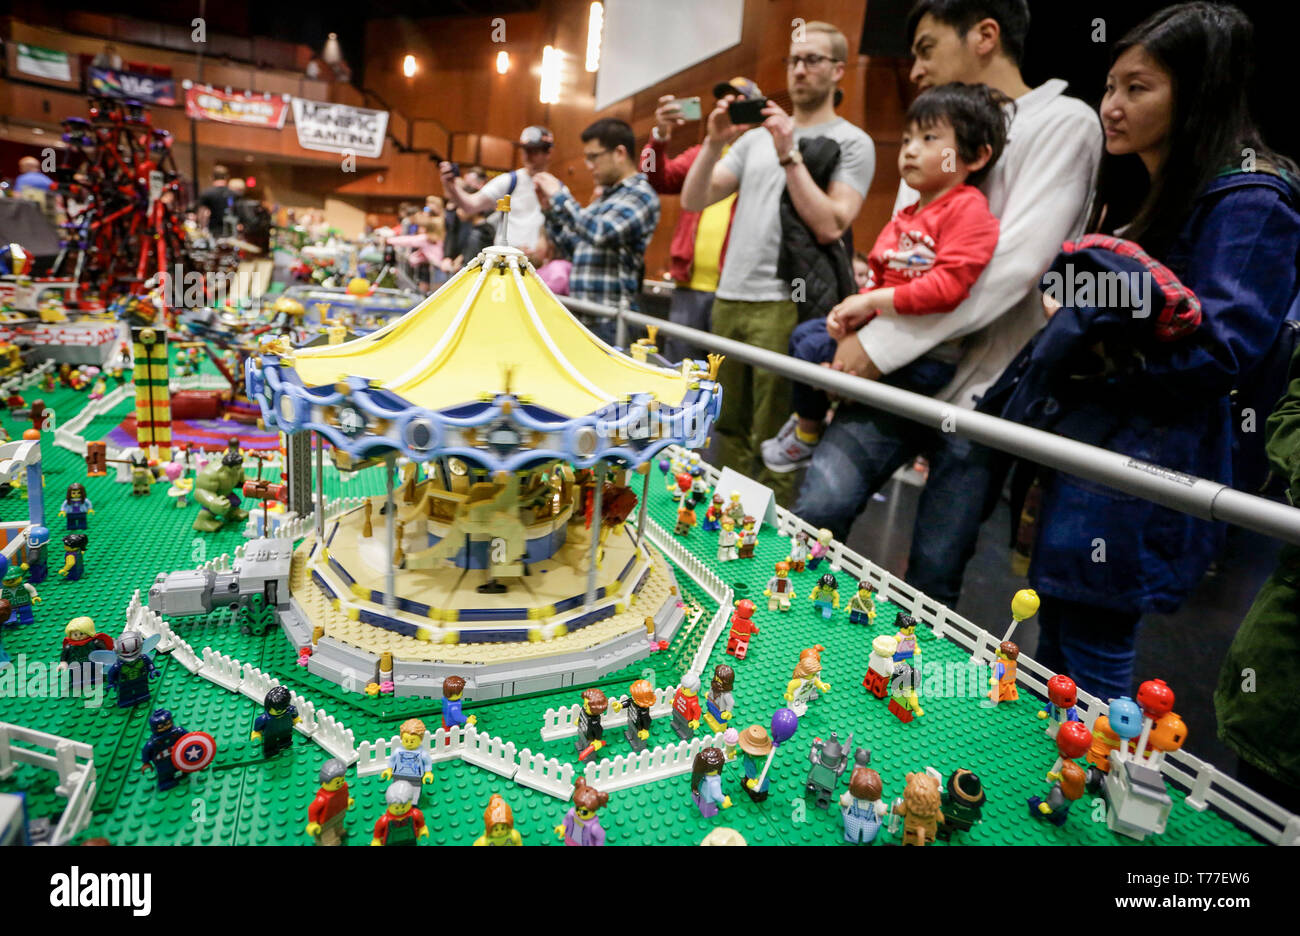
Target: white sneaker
x,y
786,453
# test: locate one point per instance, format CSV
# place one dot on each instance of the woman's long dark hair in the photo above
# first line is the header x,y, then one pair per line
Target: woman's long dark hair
x,y
1207,50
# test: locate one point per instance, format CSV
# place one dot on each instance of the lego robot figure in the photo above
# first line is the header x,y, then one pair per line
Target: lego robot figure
x,y
274,725
829,761
880,665
780,590
861,808
742,628
328,813
686,707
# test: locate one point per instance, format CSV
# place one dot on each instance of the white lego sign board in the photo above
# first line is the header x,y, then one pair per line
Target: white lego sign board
x,y
758,499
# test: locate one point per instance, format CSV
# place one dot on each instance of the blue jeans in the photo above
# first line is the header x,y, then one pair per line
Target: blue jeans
x,y
811,342
689,307
861,449
1093,646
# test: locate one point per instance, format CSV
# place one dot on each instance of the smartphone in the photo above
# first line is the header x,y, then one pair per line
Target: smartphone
x,y
689,108
747,111
455,170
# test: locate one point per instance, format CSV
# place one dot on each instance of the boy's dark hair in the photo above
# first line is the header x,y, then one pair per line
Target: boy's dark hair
x,y
220,173
1012,17
978,116
611,132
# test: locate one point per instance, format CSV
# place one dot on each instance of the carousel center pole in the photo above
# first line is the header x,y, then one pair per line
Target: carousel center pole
x,y
390,576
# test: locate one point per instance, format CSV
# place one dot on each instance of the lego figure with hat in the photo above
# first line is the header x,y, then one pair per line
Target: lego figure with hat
x,y
825,596
880,665
742,628
713,516
735,509
829,761
920,809
641,699
499,824
1064,793
806,681
20,594
685,519
402,822
706,782
327,814
131,668
748,538
798,557
861,808
581,825
862,609
720,701
38,538
686,707
79,642
142,477
1062,695
681,487
963,802
76,506
699,486
1003,680
157,754
453,687
820,549
591,734
274,725
755,746
727,540
903,700
412,762
74,548
780,590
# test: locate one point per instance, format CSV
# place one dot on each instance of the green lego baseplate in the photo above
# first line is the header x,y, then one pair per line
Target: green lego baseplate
x,y
244,799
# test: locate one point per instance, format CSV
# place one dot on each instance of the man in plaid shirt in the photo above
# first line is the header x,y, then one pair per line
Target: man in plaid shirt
x,y
608,238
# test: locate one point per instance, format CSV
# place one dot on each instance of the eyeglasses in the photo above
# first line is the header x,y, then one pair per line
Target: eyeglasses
x,y
592,157
808,61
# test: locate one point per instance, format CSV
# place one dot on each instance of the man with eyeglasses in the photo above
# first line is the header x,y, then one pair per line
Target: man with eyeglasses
x,y
608,238
753,304
525,224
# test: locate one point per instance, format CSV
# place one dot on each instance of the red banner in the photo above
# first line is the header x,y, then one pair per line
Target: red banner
x,y
245,110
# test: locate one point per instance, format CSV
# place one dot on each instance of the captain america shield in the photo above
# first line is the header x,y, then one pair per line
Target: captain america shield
x,y
193,751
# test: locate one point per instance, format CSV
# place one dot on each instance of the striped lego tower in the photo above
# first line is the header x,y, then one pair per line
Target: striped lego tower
x,y
153,412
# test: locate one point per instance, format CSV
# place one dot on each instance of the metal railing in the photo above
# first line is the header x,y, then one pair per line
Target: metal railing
x,y
1209,500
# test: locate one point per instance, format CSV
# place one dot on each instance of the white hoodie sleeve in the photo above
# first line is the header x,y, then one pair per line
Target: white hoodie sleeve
x,y
1050,173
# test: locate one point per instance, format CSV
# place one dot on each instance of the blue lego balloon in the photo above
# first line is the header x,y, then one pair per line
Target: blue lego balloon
x,y
1125,717
37,536
784,723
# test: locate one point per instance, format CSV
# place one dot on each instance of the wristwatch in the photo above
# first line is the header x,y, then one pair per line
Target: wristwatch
x,y
654,132
794,156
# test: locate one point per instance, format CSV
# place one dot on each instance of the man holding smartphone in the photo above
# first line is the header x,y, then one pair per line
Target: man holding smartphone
x,y
525,223
753,305
700,237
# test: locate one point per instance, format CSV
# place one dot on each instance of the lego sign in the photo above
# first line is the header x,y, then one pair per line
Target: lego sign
x,y
339,128
246,110
107,82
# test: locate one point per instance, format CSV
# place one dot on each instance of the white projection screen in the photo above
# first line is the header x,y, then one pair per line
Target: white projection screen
x,y
644,43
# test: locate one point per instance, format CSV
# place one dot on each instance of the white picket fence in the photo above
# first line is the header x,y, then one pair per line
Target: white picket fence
x,y
297,527
562,722
703,576
73,761
27,378
68,435
245,678
629,770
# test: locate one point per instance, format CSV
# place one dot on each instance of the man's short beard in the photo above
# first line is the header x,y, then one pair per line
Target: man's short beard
x,y
813,104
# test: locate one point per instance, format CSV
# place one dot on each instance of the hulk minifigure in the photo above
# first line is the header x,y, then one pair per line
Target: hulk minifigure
x,y
216,488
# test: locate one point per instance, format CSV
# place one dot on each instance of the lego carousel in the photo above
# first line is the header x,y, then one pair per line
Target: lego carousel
x,y
509,547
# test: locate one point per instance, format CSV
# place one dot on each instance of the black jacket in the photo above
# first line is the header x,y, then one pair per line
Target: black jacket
x,y
825,269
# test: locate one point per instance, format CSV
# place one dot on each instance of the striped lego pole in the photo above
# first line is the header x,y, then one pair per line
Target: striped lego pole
x,y
153,414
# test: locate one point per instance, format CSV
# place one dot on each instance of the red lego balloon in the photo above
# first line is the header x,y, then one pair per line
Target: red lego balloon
x,y
1156,698
1062,691
1073,739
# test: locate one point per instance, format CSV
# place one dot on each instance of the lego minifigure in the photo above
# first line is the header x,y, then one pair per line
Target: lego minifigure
x,y
727,541
328,813
1104,743
499,824
861,808
170,749
453,687
74,548
402,822
906,637
639,723
720,702
1072,741
38,538
686,707
780,590
1062,695
1065,791
76,506
903,701
755,744
805,682
685,519
699,487
682,484
131,667
748,538
742,628
820,548
79,642
880,665
825,596
730,741
412,763
862,609
581,825
1003,682
963,802
829,761
274,725
19,594
217,488
920,809
706,782
590,732
798,552
713,516
735,509
141,475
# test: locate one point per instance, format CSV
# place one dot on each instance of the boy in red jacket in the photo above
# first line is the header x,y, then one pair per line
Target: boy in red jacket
x,y
925,260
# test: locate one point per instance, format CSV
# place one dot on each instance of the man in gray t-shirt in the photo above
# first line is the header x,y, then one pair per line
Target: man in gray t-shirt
x,y
752,304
